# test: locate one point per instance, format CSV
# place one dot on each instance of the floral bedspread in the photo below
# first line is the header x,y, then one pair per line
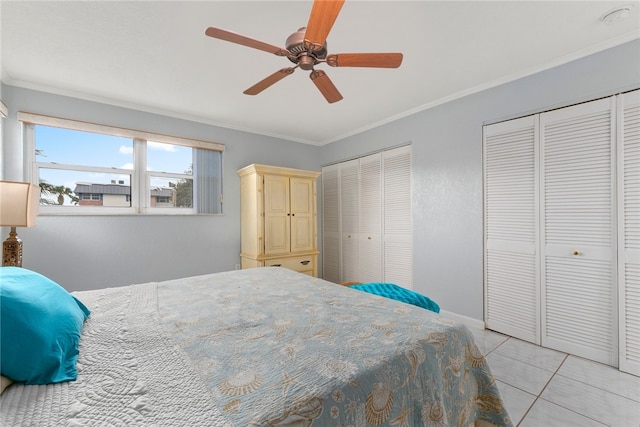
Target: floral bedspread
x,y
278,348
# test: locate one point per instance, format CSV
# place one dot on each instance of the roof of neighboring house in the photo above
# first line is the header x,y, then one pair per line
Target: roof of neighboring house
x,y
161,191
102,189
85,188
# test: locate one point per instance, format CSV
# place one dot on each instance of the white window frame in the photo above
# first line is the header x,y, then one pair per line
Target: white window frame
x,y
140,177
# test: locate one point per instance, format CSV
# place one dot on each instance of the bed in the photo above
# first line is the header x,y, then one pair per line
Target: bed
x,y
262,347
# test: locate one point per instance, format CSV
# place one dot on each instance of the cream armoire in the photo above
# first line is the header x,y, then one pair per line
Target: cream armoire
x,y
278,218
562,229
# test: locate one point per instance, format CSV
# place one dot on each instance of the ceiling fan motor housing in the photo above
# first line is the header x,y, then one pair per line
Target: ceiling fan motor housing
x,y
303,55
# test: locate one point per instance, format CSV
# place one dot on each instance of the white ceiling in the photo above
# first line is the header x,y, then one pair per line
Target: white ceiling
x,y
154,56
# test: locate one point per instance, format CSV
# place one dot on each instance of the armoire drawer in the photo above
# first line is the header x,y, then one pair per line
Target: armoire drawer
x,y
303,264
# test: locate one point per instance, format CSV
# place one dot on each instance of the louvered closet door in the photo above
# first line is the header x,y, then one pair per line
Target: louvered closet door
x,y
512,293
330,224
397,217
629,230
350,221
579,295
371,218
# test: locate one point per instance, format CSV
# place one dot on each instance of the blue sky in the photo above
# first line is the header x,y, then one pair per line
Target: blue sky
x,y
71,147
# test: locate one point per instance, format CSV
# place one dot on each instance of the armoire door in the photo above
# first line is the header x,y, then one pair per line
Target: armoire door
x,y
629,230
578,247
302,202
512,301
276,215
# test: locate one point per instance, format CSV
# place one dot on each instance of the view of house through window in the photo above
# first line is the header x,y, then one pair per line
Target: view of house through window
x,y
84,171
170,169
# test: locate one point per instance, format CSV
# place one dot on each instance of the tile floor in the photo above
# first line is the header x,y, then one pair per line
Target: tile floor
x,y
546,388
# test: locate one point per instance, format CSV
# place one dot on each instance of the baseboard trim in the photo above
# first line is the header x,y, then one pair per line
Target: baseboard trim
x,y
470,322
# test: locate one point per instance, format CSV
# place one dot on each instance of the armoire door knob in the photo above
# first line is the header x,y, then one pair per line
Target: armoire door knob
x,y
576,252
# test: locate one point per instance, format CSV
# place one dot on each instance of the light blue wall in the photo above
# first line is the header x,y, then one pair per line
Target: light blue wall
x,y
447,165
90,252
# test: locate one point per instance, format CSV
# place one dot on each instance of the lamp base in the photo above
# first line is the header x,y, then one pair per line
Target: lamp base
x,y
12,250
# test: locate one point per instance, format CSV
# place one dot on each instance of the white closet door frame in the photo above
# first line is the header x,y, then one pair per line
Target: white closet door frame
x,y
628,113
583,273
511,232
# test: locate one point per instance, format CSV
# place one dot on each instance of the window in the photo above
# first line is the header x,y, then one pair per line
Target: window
x,y
94,169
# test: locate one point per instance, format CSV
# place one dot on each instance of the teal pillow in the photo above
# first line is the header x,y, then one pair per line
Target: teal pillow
x,y
40,328
398,293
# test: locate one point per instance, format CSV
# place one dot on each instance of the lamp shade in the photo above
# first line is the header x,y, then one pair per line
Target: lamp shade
x,y
19,203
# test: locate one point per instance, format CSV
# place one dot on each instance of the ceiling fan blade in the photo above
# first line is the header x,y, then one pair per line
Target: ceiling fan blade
x,y
378,60
325,85
323,15
271,80
232,37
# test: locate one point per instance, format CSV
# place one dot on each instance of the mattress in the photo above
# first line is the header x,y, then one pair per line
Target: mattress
x,y
263,347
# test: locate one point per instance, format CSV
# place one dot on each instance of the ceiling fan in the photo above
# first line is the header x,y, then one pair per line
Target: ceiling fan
x,y
307,48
